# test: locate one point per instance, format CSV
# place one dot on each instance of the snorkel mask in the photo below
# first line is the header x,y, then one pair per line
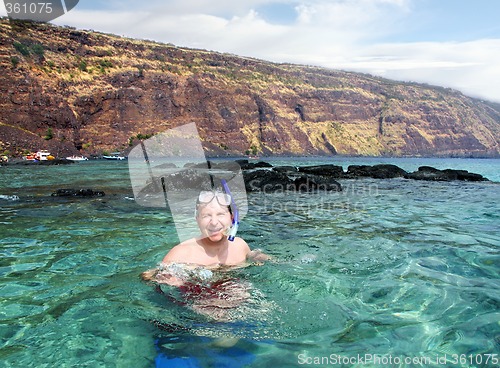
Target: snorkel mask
x,y
224,199
206,196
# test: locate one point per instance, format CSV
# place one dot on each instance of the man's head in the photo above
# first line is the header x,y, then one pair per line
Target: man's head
x,y
213,214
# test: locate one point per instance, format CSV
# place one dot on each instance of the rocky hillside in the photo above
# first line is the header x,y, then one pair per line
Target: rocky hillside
x,y
73,91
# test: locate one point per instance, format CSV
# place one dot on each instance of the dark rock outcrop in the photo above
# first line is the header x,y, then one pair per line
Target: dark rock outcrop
x,y
267,181
433,174
323,170
270,181
323,177
286,169
188,179
246,165
384,171
78,193
193,177
57,161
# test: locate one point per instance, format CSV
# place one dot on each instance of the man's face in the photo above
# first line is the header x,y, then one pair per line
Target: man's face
x,y
213,220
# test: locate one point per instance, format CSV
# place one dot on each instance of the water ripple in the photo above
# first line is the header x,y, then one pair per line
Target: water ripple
x,y
386,267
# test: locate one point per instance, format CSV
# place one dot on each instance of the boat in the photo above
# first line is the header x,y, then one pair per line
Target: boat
x,y
77,158
114,156
44,155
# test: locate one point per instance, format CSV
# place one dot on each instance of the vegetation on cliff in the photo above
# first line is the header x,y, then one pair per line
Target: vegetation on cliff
x,y
73,91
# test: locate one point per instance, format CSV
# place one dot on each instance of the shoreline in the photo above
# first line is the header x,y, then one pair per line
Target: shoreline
x,y
408,164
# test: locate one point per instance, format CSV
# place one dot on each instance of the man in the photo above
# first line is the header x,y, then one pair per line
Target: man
x,y
212,248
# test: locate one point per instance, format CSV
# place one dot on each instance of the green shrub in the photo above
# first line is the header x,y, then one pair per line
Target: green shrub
x,y
27,50
106,64
14,60
38,49
49,135
82,65
21,48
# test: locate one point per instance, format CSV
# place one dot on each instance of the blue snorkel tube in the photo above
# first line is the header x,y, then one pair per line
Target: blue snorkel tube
x,y
234,209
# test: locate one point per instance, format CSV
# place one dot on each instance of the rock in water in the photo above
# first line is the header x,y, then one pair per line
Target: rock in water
x,y
432,174
78,193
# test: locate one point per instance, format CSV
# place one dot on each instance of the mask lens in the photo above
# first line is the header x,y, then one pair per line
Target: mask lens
x,y
206,197
223,199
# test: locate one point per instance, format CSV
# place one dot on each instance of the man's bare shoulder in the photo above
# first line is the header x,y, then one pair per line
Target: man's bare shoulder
x,y
180,251
240,243
193,242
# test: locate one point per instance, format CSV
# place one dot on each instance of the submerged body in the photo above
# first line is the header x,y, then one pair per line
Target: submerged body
x,y
212,292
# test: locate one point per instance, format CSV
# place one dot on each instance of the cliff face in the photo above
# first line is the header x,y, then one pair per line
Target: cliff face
x,y
74,91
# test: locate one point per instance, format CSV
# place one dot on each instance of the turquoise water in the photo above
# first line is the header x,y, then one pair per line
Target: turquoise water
x,y
392,269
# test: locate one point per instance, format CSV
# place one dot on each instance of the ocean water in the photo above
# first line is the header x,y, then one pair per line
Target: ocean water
x,y
386,273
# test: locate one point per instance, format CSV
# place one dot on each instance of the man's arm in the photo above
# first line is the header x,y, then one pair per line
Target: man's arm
x,y
257,255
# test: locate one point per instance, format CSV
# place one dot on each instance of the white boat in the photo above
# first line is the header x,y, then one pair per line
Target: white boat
x,y
43,155
77,158
114,157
